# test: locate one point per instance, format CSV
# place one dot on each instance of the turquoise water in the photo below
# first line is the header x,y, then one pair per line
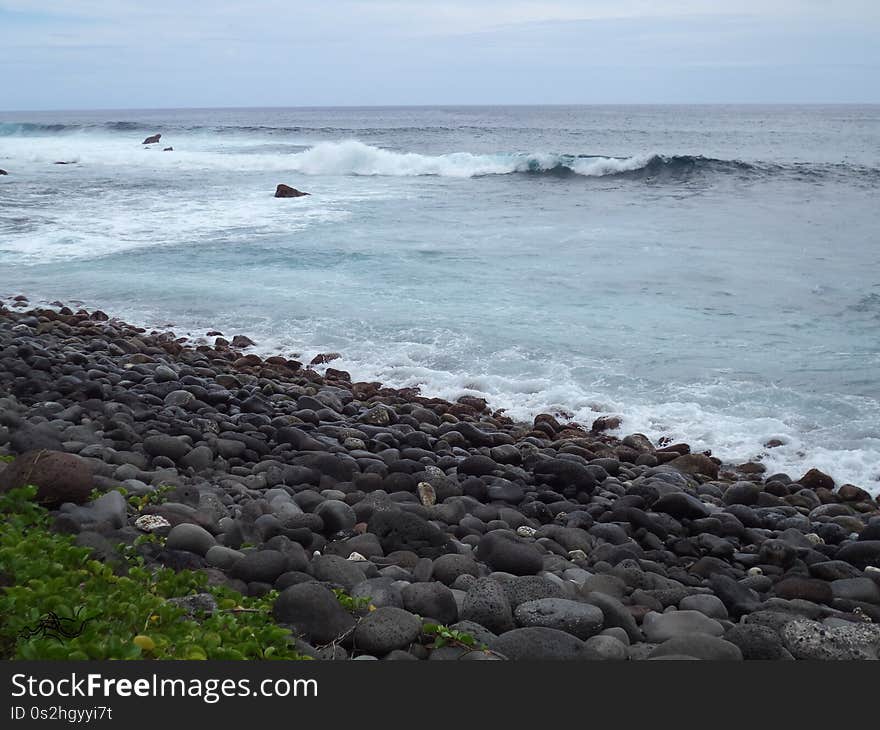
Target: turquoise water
x,y
709,273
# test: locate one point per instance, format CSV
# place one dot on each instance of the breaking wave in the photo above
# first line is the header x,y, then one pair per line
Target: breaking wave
x,y
352,157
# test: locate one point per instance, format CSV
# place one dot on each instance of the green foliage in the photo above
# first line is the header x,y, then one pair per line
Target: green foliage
x,y
353,604
157,496
59,603
7,459
444,636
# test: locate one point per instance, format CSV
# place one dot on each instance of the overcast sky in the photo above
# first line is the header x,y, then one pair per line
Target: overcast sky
x,y
84,54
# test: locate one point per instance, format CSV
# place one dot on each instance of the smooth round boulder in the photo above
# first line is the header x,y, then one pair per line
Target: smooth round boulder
x,y
699,646
504,551
189,537
578,619
538,643
705,603
431,600
604,648
336,515
260,566
660,627
170,447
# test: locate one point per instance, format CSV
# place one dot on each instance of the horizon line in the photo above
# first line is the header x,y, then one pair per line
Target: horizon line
x,y
447,105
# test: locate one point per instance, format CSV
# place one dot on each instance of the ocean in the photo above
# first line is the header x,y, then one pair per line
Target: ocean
x,y
709,273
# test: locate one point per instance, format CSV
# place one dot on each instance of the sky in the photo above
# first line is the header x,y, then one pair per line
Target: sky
x,y
118,54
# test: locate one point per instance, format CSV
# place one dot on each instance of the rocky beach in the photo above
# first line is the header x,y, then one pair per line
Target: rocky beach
x,y
541,540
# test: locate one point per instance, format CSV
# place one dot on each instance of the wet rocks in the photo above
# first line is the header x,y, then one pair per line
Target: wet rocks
x,y
542,539
695,464
815,479
153,139
285,191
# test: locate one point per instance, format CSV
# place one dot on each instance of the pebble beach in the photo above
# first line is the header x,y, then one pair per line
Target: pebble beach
x,y
547,539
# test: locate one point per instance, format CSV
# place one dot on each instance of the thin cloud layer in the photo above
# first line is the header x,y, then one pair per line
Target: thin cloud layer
x,y
127,53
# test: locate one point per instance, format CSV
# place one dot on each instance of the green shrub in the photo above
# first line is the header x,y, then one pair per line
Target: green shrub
x,y
59,603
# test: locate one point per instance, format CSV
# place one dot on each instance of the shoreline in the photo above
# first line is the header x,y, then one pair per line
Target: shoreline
x,y
548,539
748,467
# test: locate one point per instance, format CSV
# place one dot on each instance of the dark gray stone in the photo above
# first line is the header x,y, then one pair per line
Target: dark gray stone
x,y
506,552
312,611
486,604
582,620
431,600
539,643
338,571
699,646
386,629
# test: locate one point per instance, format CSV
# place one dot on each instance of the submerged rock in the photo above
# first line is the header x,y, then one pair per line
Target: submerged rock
x,y
152,140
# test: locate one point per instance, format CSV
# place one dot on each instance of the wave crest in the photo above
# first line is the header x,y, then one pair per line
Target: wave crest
x,y
352,157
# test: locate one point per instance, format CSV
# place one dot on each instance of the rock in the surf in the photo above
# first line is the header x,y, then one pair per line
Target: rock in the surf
x,y
285,191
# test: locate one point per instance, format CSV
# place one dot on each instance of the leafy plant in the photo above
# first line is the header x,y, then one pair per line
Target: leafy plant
x,y
7,459
353,604
157,496
59,603
444,636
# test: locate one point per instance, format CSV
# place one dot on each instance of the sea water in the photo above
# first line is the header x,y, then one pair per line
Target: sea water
x,y
711,274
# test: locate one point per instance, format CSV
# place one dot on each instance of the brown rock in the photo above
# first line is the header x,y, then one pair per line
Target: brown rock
x,y
774,443
680,449
59,477
606,423
285,191
852,493
549,420
478,404
242,341
695,464
152,140
814,479
324,357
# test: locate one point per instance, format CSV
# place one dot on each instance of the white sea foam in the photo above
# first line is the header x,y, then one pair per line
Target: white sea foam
x,y
339,158
690,413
